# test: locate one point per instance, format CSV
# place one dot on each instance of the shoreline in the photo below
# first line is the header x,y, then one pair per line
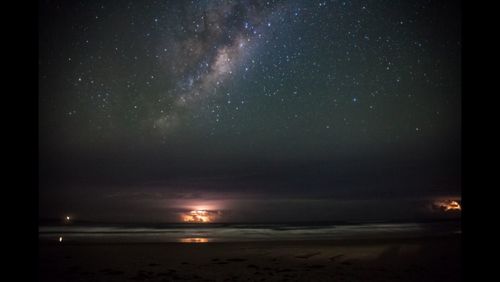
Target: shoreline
x,y
436,258
353,241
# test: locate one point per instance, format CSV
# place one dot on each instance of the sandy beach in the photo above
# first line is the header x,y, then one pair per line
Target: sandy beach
x,y
415,259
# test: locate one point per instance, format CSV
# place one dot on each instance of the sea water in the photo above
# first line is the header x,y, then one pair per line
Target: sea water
x,y
205,233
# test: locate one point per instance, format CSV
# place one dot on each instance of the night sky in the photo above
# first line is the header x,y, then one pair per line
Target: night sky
x,y
263,110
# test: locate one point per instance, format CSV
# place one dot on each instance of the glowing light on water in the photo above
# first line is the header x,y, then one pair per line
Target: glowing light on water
x,y
194,240
60,239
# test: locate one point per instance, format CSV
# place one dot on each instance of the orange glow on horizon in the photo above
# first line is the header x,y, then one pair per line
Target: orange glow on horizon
x,y
449,205
198,216
453,205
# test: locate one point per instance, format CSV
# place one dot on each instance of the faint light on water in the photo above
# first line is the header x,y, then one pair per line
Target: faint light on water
x,y
194,240
60,239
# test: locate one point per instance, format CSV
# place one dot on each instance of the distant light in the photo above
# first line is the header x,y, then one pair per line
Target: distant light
x,y
453,205
200,216
60,239
448,205
67,218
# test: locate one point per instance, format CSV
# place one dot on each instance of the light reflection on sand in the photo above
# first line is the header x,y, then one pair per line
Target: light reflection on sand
x,y
194,240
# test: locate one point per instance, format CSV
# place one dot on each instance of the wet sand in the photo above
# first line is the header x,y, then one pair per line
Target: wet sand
x,y
423,259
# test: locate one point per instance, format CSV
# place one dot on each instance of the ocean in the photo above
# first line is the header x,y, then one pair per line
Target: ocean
x,y
218,232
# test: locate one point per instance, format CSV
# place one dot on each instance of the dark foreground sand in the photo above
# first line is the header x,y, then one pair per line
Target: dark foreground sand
x,y
424,259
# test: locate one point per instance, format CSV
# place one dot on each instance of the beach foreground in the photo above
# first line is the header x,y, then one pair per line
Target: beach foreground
x,y
415,259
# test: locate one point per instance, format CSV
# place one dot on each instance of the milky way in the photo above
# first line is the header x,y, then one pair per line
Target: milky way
x,y
224,35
